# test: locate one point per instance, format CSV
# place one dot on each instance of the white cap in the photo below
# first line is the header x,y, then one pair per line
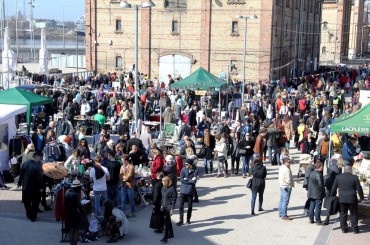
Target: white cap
x,y
170,158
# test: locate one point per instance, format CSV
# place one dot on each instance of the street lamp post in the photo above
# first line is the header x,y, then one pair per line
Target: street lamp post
x,y
252,17
125,5
65,6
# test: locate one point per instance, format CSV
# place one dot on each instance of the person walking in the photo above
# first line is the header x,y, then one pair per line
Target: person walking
x,y
348,184
272,144
99,175
72,204
246,152
30,179
113,167
188,179
168,205
316,193
259,173
209,144
286,184
221,151
235,154
127,176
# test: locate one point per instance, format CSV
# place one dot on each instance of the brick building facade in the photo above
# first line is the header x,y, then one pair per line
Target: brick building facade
x,y
179,36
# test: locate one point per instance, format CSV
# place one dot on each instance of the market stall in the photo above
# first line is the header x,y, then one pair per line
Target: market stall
x,y
359,123
8,130
16,96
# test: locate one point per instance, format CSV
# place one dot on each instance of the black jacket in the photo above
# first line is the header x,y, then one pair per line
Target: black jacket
x,y
333,171
246,143
193,118
31,176
347,184
259,174
316,189
114,168
184,130
134,141
169,196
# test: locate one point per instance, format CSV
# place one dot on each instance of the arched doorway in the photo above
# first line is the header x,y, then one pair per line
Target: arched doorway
x,y
174,65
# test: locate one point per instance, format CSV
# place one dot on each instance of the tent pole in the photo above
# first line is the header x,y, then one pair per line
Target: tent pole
x,y
329,156
219,104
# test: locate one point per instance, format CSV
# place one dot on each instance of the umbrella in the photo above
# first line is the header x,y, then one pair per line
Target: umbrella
x,y
54,170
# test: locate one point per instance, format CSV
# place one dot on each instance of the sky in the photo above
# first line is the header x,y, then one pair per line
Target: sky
x,y
49,9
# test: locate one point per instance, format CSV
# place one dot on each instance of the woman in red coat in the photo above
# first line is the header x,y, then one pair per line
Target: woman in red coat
x,y
157,163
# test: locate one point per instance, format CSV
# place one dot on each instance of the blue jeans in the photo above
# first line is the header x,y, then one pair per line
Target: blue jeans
x,y
113,194
206,162
277,153
260,199
99,196
287,145
284,201
127,192
315,209
245,167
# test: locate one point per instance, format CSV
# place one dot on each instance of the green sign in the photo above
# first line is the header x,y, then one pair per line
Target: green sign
x,y
169,129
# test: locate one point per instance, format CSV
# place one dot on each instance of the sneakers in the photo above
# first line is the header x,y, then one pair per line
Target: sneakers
x,y
244,176
180,223
131,215
286,218
261,209
218,175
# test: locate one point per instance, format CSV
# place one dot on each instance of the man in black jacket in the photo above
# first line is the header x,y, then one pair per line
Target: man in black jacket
x,y
316,193
134,141
31,181
348,185
114,168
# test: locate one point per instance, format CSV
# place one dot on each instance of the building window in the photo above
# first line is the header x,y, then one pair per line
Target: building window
x,y
287,3
311,6
296,4
277,2
323,50
175,4
118,25
175,29
118,62
234,28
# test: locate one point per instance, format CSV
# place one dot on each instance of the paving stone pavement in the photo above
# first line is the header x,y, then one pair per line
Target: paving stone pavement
x,y
221,217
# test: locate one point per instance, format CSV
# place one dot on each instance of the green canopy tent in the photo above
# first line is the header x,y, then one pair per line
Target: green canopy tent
x,y
358,122
16,96
200,79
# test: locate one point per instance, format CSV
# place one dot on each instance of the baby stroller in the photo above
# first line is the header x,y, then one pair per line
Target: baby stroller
x,y
304,161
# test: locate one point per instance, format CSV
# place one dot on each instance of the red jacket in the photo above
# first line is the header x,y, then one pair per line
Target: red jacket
x,y
157,165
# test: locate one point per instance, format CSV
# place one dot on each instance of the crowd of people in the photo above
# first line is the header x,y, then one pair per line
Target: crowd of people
x,y
275,117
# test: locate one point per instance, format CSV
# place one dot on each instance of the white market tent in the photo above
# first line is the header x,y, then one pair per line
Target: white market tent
x,y
8,130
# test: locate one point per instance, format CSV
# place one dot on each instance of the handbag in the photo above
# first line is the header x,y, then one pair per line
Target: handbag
x,y
249,183
243,152
202,152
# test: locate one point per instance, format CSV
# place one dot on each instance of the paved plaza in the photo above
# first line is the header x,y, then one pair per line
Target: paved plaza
x,y
221,217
